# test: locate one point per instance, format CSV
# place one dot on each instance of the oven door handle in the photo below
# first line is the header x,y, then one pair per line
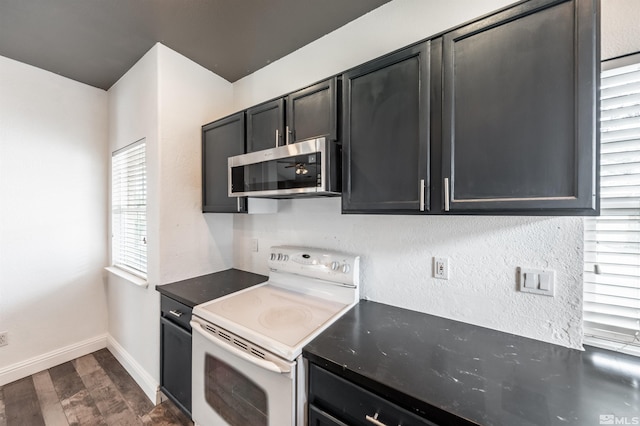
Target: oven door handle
x,y
268,365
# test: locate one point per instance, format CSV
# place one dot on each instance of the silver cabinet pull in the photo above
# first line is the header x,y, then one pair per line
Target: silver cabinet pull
x,y
288,134
238,201
446,195
421,195
277,137
374,420
176,313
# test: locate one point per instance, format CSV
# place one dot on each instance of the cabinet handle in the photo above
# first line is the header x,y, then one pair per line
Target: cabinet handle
x,y
421,195
446,195
277,137
176,313
374,420
288,134
238,201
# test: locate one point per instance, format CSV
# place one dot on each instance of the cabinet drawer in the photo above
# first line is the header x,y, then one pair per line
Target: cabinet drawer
x,y
354,405
175,311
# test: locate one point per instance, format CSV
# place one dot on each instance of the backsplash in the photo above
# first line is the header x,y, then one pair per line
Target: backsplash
x,y
483,253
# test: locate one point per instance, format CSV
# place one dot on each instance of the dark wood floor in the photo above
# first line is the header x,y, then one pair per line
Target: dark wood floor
x,y
92,390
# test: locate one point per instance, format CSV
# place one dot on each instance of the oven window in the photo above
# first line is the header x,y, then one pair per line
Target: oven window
x,y
235,398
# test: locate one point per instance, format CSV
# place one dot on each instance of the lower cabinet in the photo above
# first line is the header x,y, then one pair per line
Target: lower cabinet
x,y
318,417
334,401
175,353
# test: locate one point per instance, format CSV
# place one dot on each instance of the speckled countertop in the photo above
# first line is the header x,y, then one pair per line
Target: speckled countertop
x,y
195,291
456,373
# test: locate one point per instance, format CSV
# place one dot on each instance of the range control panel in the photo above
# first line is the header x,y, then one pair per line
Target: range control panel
x,y
317,263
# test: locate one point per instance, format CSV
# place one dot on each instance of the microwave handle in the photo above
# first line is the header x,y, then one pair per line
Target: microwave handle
x,y
268,365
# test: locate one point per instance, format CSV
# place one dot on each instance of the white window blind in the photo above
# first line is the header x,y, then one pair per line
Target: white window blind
x,y
129,209
612,240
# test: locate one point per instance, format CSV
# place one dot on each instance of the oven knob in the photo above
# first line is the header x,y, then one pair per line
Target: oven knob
x,y
334,266
280,256
273,256
346,268
285,257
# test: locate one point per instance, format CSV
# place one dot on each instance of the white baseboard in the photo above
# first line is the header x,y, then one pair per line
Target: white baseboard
x,y
45,361
149,385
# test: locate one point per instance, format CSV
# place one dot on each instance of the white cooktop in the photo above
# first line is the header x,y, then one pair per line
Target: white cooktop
x,y
308,289
282,315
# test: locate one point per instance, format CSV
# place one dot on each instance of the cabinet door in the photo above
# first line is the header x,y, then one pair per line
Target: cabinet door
x,y
312,112
265,126
344,401
386,134
318,417
519,110
175,360
220,140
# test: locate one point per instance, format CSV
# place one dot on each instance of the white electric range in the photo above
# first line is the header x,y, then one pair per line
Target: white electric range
x,y
247,364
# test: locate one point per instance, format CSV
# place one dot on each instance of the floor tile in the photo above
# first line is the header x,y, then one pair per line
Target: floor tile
x,y
50,405
66,380
86,365
98,391
81,410
21,404
3,418
132,393
161,415
113,407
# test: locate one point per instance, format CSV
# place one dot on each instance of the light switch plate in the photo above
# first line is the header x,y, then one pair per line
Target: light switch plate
x,y
536,281
254,244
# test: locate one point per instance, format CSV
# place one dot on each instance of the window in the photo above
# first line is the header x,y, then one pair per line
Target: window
x,y
612,240
129,210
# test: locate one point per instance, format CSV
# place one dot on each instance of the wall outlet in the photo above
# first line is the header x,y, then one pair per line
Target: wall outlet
x,y
254,244
4,338
441,268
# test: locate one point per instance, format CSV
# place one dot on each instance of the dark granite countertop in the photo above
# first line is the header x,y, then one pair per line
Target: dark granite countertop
x,y
195,291
456,373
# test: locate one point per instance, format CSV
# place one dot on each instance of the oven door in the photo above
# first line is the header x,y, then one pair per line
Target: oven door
x,y
233,387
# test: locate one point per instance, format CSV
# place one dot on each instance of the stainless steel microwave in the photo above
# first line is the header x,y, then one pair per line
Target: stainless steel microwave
x,y
303,169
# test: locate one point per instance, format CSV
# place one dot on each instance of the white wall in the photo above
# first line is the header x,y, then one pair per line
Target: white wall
x,y
620,27
133,310
484,252
53,216
191,243
165,98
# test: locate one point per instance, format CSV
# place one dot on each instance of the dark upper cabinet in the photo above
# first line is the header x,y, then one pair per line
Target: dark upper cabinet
x,y
313,112
220,140
386,134
519,111
265,125
310,112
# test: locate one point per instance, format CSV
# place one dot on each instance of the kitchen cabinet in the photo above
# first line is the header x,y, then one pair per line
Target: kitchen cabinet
x,y
519,111
329,406
175,352
313,112
265,125
310,113
220,140
386,134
